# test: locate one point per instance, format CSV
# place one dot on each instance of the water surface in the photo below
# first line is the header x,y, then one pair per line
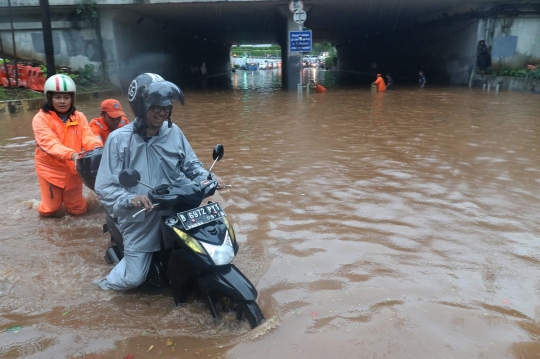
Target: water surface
x,y
395,225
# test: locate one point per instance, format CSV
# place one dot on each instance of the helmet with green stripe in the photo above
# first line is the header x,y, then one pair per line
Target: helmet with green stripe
x,y
59,83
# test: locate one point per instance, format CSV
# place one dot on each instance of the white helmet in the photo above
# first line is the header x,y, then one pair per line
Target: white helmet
x,y
59,83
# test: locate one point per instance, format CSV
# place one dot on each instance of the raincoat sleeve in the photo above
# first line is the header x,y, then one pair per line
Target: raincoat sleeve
x,y
89,139
94,127
112,195
190,164
47,139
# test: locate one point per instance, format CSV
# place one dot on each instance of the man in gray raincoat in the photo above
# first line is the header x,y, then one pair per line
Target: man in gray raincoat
x,y
158,149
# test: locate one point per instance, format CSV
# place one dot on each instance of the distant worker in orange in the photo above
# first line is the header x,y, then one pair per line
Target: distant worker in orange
x,y
318,88
381,86
111,117
61,133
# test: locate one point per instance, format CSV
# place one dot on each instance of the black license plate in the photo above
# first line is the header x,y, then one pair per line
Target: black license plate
x,y
201,215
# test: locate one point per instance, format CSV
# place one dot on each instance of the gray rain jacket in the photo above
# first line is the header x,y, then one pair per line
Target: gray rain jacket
x,y
165,158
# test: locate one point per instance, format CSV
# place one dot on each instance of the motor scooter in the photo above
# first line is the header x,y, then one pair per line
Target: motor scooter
x,y
198,245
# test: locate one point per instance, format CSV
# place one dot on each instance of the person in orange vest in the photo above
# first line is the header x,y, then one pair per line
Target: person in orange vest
x,y
111,117
318,88
61,133
381,86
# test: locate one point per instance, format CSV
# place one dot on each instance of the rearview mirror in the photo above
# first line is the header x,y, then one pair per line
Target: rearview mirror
x,y
129,178
218,152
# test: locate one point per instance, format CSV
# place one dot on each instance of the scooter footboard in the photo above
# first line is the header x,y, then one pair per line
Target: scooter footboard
x,y
228,280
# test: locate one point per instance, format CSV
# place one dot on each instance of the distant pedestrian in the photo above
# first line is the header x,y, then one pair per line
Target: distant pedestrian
x,y
317,88
389,82
483,57
421,80
204,72
381,86
111,118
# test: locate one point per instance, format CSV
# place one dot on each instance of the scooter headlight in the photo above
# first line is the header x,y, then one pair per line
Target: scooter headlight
x,y
223,254
189,241
230,228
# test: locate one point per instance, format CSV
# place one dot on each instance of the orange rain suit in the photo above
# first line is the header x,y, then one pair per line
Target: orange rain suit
x,y
100,128
318,88
381,86
55,144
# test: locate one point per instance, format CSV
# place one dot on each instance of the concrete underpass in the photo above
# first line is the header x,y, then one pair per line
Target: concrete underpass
x,y
174,37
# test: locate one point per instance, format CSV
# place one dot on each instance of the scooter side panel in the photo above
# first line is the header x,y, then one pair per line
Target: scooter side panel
x,y
116,236
228,280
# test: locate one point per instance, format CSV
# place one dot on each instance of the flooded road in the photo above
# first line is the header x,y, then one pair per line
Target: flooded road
x,y
394,225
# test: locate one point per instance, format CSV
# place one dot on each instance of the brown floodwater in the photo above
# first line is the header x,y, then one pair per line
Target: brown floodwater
x,y
395,225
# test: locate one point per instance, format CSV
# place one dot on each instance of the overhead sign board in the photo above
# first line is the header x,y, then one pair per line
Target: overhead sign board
x,y
296,5
300,41
299,17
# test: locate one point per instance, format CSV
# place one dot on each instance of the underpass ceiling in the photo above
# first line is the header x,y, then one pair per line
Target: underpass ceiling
x,y
253,22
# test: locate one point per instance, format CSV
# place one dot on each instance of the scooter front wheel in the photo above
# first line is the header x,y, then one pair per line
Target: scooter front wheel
x,y
250,311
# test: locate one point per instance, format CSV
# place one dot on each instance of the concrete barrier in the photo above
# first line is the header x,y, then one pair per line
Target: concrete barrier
x,y
34,104
506,83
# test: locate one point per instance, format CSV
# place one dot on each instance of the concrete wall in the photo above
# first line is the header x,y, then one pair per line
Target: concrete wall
x,y
143,44
506,83
451,50
516,41
132,45
444,48
75,43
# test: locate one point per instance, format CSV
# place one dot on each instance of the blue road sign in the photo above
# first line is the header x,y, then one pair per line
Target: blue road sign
x,y
300,41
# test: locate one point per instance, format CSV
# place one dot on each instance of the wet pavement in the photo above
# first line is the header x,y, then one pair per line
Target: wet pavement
x,y
394,225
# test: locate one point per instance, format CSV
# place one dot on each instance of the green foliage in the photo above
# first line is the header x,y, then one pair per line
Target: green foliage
x,y
256,51
83,77
86,11
323,47
86,75
43,70
330,60
18,94
535,74
239,51
523,72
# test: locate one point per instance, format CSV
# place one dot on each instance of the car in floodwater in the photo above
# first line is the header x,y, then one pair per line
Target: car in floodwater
x,y
250,66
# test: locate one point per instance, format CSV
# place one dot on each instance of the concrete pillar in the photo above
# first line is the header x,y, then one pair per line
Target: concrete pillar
x,y
293,58
290,61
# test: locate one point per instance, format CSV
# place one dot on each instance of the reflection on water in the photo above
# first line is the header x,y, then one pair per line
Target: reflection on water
x,y
373,225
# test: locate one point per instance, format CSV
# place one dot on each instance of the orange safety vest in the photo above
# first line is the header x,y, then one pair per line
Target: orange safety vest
x,y
57,141
101,130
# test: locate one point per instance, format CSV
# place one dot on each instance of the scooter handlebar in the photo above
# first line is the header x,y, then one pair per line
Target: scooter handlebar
x,y
184,197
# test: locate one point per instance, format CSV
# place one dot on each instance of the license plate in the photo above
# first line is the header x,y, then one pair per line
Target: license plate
x,y
201,215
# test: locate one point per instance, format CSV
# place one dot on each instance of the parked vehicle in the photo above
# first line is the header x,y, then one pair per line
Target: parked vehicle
x,y
250,66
